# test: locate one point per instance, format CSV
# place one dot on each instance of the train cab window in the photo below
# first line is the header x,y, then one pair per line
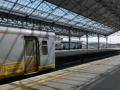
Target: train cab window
x,y
44,48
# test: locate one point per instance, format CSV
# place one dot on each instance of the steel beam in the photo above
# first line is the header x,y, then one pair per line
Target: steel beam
x,y
106,42
86,40
98,41
69,39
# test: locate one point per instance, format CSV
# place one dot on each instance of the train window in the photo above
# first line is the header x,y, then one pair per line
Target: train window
x,y
44,48
29,48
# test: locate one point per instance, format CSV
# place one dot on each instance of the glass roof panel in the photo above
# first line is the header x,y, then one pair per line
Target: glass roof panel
x,y
44,7
63,20
45,10
70,16
79,18
58,12
72,23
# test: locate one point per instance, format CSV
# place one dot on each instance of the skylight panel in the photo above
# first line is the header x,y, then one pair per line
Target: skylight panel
x,y
69,16
63,20
52,6
79,18
47,11
58,12
45,8
24,2
72,22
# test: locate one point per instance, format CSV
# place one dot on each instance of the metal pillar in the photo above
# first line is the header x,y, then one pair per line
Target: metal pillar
x,y
106,41
79,44
69,39
98,41
79,39
86,41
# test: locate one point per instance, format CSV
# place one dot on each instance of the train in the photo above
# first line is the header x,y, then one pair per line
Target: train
x,y
24,51
64,45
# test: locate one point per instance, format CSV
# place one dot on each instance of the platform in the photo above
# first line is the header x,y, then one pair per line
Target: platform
x,y
98,75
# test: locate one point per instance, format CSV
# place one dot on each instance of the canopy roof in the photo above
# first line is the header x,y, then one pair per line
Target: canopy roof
x,y
106,12
68,13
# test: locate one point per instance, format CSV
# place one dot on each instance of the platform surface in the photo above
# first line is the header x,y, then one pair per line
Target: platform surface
x,y
98,75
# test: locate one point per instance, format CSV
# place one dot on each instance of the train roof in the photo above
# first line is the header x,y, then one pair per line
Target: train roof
x,y
24,31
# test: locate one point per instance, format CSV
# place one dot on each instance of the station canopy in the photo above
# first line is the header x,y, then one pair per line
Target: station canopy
x,y
100,16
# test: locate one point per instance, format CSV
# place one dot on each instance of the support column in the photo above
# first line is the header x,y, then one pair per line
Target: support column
x,y
79,39
98,41
106,41
69,39
86,40
79,44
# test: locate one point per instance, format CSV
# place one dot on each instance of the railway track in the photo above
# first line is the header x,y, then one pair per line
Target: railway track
x,y
83,59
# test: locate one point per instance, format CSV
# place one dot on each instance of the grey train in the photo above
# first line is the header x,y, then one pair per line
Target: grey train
x,y
64,45
25,51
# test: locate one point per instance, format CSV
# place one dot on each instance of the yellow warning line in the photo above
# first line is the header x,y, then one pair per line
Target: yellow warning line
x,y
58,76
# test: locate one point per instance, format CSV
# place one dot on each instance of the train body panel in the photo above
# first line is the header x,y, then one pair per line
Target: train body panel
x,y
24,51
47,58
11,55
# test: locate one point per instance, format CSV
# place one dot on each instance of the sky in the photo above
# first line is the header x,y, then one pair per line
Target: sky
x,y
113,39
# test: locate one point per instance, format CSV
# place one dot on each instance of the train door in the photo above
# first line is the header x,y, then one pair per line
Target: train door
x,y
30,59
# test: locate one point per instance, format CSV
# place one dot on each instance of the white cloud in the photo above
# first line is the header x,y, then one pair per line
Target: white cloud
x,y
114,38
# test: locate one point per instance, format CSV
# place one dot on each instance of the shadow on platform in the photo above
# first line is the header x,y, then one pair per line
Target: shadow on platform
x,y
105,81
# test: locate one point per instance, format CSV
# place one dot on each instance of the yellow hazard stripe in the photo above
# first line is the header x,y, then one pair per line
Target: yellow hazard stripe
x,y
7,68
46,66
